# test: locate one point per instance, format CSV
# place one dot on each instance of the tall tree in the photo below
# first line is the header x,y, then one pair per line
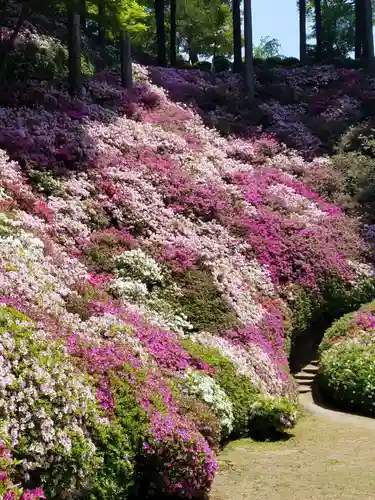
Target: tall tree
x,y
318,28
359,26
74,46
125,17
249,63
368,36
237,36
173,33
160,32
302,31
83,14
101,33
8,45
342,26
126,60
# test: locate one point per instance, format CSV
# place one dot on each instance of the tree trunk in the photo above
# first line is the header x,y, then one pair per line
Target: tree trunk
x,y
173,34
83,13
126,60
249,64
359,26
302,31
237,36
368,40
160,33
101,35
318,22
193,56
8,45
74,46
3,11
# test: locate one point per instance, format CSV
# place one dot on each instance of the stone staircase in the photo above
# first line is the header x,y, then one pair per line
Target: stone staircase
x,y
306,376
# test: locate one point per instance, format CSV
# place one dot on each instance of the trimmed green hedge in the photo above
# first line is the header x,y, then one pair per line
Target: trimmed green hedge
x,y
347,355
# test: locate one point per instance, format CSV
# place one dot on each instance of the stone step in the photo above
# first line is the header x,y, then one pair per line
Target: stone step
x,y
304,375
314,362
304,381
311,369
302,389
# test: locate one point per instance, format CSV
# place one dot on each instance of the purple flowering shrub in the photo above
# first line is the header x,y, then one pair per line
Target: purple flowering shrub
x,y
164,268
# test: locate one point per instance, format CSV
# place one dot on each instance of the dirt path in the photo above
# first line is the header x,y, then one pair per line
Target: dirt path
x,y
331,456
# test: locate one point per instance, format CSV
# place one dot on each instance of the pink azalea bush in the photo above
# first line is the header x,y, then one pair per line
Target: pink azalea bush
x,y
153,273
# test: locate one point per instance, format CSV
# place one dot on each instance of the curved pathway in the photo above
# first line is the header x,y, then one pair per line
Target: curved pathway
x,y
330,456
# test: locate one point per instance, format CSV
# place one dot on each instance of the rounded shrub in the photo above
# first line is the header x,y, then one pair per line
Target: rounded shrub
x,y
348,375
203,65
347,355
221,63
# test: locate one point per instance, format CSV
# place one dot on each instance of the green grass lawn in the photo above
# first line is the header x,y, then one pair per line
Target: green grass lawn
x,y
323,460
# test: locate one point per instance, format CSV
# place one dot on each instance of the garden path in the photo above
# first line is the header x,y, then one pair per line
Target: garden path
x,y
329,456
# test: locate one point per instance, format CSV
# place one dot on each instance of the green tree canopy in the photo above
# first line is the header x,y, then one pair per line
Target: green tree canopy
x,y
205,27
267,47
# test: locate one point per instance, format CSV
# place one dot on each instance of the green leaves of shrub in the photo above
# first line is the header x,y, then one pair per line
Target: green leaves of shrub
x,y
348,375
202,303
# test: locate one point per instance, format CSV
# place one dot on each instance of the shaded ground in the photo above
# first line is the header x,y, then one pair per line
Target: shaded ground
x,y
330,456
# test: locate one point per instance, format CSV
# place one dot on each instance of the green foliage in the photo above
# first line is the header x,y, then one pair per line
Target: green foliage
x,y
360,138
268,47
44,182
120,444
342,297
205,27
254,414
338,26
340,329
203,65
237,387
221,63
304,306
120,15
348,375
311,311
357,172
44,58
202,303
347,356
269,416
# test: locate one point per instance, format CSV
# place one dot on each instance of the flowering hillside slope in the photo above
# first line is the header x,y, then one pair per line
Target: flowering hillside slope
x,y
153,275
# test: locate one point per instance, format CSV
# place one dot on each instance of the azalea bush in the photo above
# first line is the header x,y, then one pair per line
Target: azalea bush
x,y
347,361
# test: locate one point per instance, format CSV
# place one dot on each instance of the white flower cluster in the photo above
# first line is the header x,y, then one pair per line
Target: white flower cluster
x,y
30,274
139,265
127,288
141,281
207,389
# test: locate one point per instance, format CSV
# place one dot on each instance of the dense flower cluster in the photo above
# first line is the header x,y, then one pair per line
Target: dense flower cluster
x,y
151,272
